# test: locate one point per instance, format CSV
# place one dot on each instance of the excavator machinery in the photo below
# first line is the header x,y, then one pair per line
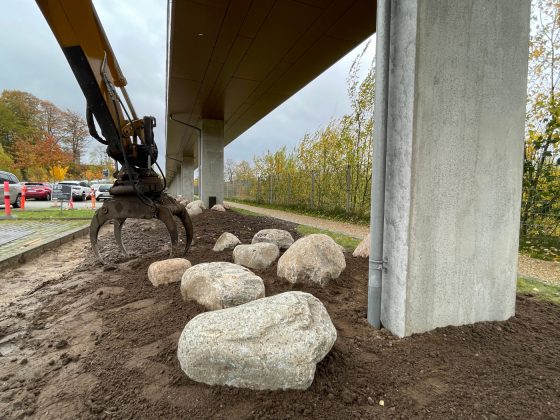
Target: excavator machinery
x,y
138,191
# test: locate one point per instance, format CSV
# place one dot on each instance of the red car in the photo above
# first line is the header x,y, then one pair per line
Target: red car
x,y
38,190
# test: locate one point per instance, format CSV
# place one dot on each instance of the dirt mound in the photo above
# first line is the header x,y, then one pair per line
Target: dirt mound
x,y
101,343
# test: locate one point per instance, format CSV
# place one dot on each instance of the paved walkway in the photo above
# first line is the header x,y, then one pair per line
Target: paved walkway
x,y
18,236
350,229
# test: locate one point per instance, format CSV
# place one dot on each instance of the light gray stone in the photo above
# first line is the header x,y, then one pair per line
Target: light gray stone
x,y
194,211
226,206
282,238
313,259
218,207
226,241
362,250
167,271
256,256
196,203
271,343
219,285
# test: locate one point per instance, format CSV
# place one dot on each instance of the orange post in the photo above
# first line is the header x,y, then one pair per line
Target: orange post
x,y
23,192
7,199
71,202
92,198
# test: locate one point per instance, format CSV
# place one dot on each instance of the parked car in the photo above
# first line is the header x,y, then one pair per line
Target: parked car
x,y
38,190
15,188
81,190
102,191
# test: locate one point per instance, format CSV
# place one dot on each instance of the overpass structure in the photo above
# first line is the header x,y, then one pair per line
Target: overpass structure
x,y
450,106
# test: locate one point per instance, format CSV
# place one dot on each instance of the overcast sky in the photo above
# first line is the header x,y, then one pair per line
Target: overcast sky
x,y
32,61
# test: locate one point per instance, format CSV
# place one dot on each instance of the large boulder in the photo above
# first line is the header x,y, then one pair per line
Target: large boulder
x,y
226,206
271,343
226,241
220,285
362,250
313,259
281,238
256,256
167,271
218,207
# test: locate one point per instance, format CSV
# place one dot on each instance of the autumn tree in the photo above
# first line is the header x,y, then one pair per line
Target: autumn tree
x,y
75,134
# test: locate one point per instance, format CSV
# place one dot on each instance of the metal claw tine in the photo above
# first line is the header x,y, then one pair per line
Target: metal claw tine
x,y
165,215
187,224
98,220
118,225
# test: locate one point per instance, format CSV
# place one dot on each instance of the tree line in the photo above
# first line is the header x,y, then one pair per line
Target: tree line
x,y
330,169
40,142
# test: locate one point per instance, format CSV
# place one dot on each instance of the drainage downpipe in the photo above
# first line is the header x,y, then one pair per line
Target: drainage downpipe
x,y
376,264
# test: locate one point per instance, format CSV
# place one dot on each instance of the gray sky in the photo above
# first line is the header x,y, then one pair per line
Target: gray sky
x,y
32,61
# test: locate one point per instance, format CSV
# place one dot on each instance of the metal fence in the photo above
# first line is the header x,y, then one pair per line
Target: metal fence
x,y
325,192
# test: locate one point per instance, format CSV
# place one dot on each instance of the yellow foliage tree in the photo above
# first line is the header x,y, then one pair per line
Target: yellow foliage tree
x,y
59,172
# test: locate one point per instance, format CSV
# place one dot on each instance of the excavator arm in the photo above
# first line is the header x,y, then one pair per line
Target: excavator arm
x,y
138,191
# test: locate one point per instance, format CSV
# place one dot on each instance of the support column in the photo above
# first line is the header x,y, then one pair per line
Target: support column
x,y
212,161
457,78
187,177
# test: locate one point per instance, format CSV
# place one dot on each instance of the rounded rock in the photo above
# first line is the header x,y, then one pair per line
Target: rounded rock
x,y
281,238
167,271
226,241
220,285
271,343
313,259
256,256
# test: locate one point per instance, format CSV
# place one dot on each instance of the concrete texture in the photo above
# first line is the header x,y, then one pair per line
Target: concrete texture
x,y
187,178
456,111
212,161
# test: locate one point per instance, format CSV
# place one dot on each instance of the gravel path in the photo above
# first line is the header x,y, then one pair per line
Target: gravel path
x,y
547,271
356,231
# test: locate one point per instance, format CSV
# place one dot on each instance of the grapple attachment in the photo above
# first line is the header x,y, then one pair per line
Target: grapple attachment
x,y
128,205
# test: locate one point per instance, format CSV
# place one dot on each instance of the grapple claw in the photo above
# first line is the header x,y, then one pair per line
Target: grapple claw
x,y
118,225
126,204
98,220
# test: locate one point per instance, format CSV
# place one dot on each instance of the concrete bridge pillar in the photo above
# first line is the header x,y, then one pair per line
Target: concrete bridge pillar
x,y
455,113
212,161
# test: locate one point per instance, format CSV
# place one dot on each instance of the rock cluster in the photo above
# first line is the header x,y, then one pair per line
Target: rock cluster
x,y
313,259
271,343
219,285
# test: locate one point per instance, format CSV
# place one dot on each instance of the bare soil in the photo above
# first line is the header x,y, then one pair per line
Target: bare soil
x,y
81,341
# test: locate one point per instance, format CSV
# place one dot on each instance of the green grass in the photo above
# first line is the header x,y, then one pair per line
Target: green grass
x,y
54,214
348,242
245,212
544,247
339,215
541,291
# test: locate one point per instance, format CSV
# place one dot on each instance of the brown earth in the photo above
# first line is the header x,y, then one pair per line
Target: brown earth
x,y
80,341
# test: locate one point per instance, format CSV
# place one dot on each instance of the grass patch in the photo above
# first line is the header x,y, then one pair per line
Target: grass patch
x,y
348,242
338,215
245,212
54,214
544,247
539,290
